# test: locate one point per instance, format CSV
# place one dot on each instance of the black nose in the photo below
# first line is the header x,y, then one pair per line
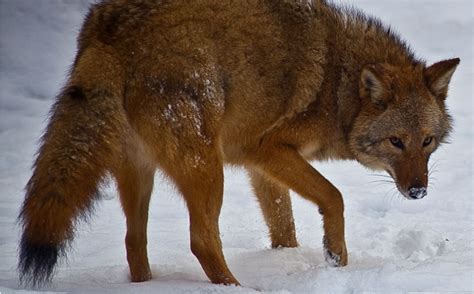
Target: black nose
x,y
417,192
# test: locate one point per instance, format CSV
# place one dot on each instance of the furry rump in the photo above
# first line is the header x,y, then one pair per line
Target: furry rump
x,y
81,144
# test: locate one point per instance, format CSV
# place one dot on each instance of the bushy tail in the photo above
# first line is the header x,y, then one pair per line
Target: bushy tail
x,y
81,143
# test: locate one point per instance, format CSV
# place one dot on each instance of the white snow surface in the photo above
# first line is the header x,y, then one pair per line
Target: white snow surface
x,y
394,245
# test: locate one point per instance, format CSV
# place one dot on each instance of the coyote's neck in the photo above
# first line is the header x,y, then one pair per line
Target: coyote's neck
x,y
355,41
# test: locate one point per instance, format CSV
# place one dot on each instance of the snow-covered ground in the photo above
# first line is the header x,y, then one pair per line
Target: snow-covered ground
x,y
394,245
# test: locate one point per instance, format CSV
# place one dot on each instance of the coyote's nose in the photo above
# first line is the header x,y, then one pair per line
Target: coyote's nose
x,y
417,192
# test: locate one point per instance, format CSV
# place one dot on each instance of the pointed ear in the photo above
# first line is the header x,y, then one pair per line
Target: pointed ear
x,y
439,75
373,86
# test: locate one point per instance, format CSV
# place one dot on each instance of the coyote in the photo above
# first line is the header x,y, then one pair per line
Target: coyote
x,y
188,86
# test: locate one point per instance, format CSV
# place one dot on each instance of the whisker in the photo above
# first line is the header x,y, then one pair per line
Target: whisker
x,y
434,163
383,181
380,175
431,173
390,194
395,196
381,185
433,168
432,179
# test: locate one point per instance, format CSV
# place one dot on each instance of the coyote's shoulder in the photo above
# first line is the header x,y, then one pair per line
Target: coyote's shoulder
x,y
187,86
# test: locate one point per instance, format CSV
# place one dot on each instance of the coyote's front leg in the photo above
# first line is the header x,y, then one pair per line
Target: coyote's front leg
x,y
284,164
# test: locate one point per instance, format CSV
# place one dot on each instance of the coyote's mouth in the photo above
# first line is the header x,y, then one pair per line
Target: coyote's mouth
x,y
411,193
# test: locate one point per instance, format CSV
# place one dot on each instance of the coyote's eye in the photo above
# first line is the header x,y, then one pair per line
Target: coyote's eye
x,y
397,142
427,141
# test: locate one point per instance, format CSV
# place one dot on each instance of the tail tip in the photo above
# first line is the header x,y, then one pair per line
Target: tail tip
x,y
36,262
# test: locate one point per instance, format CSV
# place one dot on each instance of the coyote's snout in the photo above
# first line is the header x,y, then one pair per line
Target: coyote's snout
x,y
411,175
187,86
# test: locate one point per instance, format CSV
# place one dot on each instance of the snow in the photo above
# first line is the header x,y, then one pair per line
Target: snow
x,y
394,245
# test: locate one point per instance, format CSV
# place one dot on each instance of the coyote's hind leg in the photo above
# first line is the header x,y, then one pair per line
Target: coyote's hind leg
x,y
200,178
275,203
135,185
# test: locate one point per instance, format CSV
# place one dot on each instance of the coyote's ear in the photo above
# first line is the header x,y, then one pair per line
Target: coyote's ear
x,y
439,75
373,86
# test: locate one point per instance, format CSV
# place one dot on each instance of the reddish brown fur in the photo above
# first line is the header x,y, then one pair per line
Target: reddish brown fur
x,y
186,86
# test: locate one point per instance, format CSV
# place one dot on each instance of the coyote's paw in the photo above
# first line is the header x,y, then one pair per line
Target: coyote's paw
x,y
332,258
140,274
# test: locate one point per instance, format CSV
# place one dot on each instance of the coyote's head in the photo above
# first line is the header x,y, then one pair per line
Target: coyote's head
x,y
402,121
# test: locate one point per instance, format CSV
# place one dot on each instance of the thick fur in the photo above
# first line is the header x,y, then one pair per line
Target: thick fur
x,y
187,86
